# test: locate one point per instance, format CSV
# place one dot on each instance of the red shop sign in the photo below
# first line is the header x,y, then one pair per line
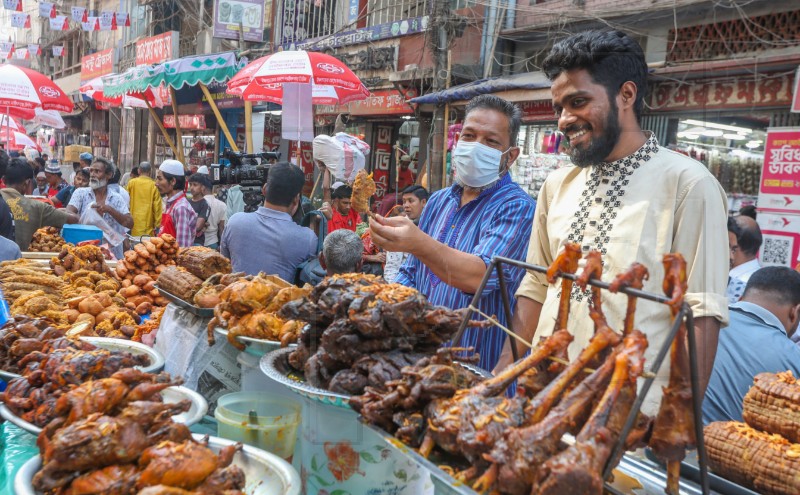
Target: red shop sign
x,y
157,49
537,111
780,178
97,64
186,121
383,159
380,102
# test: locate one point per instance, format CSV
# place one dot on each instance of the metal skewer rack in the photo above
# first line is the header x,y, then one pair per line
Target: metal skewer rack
x,y
684,315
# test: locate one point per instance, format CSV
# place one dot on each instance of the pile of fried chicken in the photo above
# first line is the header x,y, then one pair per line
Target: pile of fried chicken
x,y
248,307
362,331
513,445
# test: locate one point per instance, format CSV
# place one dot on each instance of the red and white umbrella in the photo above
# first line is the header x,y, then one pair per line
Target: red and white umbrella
x,y
320,95
50,118
16,140
24,89
10,122
332,80
94,90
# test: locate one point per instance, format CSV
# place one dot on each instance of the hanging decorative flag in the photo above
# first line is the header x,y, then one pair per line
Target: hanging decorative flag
x,y
106,20
13,5
34,50
79,14
20,20
6,49
59,51
59,23
123,19
47,9
114,21
21,54
92,24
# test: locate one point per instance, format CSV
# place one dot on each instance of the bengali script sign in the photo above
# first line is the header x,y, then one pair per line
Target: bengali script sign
x,y
780,176
157,49
379,102
186,121
97,64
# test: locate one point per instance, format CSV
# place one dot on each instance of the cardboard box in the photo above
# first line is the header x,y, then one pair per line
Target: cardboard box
x,y
73,152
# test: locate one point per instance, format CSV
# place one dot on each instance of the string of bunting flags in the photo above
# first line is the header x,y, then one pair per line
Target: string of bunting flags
x,y
108,20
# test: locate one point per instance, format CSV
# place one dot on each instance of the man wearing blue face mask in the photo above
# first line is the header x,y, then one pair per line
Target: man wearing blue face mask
x,y
484,214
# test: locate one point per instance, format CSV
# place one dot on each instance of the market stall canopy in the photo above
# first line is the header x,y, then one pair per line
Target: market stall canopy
x,y
187,71
527,81
94,89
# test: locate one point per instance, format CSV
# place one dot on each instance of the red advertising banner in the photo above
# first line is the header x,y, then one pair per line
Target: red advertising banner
x,y
537,111
380,102
157,49
97,64
186,121
272,139
780,177
781,243
306,161
383,159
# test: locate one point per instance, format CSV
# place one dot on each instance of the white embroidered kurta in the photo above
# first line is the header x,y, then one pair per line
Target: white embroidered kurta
x,y
652,202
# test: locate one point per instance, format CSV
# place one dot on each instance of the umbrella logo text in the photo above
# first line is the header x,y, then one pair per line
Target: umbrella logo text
x,y
49,92
330,68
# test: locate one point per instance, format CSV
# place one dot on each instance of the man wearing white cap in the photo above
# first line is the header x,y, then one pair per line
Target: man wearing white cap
x,y
202,170
179,218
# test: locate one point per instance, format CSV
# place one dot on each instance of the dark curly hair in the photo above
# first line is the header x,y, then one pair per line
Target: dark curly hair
x,y
612,58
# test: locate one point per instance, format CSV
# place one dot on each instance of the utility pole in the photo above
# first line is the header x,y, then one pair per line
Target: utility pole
x,y
440,43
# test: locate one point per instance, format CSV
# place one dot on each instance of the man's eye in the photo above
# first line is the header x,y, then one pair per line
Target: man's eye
x,y
577,102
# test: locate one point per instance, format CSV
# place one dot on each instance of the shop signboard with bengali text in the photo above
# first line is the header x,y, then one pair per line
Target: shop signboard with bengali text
x,y
779,188
379,102
537,111
372,33
194,122
383,159
157,49
97,64
232,17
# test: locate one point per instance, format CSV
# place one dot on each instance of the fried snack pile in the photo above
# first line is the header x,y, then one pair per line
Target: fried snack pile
x,y
203,262
763,452
104,314
87,282
20,277
149,325
47,240
248,307
363,189
150,257
72,259
362,331
37,304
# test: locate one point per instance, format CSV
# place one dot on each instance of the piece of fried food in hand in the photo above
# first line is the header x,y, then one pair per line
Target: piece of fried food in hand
x,y
363,189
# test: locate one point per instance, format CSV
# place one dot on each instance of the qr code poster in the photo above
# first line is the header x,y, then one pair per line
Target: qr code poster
x,y
781,234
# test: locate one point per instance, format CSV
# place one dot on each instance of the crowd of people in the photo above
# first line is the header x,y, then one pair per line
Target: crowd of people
x,y
626,196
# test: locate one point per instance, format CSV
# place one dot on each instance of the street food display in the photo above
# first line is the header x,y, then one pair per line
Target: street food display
x,y
47,240
20,277
513,445
178,281
203,262
149,257
72,259
363,189
763,452
362,331
249,307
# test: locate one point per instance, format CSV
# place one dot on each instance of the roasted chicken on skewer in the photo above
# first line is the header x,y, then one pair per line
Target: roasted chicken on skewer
x,y
579,469
632,278
470,422
674,427
534,380
363,189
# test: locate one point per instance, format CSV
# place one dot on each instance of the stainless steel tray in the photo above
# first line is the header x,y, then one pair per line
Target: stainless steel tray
x,y
639,477
177,301
136,348
266,474
276,366
170,395
257,347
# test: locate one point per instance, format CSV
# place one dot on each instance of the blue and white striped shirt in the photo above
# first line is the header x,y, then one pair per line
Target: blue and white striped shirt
x,y
496,223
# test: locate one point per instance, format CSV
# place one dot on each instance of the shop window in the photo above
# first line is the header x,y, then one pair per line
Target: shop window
x,y
386,11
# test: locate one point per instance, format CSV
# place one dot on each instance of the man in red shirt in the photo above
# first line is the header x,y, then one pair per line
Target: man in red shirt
x,y
405,177
340,215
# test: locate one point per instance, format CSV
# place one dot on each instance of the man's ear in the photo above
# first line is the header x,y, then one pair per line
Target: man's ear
x,y
321,258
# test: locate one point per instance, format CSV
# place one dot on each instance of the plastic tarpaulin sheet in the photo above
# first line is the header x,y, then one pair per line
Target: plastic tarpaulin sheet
x,y
529,80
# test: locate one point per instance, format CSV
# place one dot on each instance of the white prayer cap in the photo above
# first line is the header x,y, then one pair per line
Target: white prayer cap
x,y
172,167
202,170
337,184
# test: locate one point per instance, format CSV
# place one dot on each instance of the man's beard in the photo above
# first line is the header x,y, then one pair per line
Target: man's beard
x,y
600,146
97,184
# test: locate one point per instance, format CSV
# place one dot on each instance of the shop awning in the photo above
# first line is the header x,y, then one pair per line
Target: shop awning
x,y
187,71
526,81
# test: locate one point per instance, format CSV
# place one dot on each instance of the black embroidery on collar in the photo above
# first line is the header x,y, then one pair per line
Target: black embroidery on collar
x,y
618,173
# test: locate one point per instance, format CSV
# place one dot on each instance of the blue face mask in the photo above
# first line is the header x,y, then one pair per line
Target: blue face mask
x,y
476,164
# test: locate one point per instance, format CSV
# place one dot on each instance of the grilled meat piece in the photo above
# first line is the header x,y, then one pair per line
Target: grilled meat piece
x,y
632,278
773,405
579,469
111,480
